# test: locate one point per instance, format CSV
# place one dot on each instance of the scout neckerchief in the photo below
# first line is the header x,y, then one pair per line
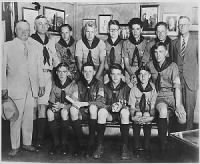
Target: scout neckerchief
x,y
136,52
62,87
112,51
88,96
142,103
95,42
45,51
115,91
64,44
159,69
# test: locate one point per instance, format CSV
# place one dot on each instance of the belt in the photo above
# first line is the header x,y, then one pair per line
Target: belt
x,y
46,70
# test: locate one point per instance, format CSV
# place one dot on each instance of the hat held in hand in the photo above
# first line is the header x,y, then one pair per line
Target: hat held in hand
x,y
9,110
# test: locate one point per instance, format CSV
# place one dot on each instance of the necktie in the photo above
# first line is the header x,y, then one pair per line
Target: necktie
x,y
142,103
112,56
183,47
25,50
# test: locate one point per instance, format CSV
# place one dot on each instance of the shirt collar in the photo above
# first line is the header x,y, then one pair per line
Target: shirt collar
x,y
185,38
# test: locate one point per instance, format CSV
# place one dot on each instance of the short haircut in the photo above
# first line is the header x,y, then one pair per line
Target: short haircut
x,y
158,44
22,20
113,22
160,24
63,64
144,67
135,21
186,17
65,25
40,16
90,24
87,64
116,66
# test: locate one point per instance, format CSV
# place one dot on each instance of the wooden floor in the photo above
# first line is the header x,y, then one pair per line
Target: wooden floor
x,y
177,153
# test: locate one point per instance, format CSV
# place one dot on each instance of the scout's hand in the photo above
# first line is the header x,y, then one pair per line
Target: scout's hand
x,y
116,107
41,91
58,105
4,94
136,119
181,114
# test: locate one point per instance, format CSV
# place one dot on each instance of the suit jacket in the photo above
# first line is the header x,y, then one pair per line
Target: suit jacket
x,y
20,71
190,60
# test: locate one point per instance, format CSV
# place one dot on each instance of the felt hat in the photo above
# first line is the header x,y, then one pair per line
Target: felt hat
x,y
9,110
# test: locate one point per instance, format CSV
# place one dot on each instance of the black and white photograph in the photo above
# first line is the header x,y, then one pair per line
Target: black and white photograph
x,y
99,81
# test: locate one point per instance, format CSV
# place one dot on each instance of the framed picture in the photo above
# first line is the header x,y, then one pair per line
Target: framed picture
x,y
56,18
172,23
103,23
149,17
88,20
124,31
195,19
30,15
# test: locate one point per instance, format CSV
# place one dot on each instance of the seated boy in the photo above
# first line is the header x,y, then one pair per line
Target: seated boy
x,y
116,96
165,75
142,102
88,98
59,108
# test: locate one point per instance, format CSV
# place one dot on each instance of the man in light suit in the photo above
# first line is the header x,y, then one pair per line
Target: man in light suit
x,y
22,81
185,54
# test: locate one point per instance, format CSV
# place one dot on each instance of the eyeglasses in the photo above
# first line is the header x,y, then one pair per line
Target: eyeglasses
x,y
114,30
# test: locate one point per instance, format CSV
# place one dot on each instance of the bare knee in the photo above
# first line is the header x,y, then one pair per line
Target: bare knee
x,y
65,114
50,115
124,115
93,111
102,116
162,109
74,113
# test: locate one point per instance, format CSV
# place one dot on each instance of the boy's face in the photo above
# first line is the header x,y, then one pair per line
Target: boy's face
x,y
116,76
66,33
114,31
136,30
41,25
161,33
62,73
90,33
88,72
160,54
144,76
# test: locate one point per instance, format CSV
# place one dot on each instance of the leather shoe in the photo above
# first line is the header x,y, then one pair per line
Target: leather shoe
x,y
29,148
13,152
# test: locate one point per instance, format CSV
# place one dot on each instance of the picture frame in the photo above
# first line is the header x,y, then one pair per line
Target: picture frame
x,y
88,20
149,17
172,23
30,14
103,23
55,17
124,31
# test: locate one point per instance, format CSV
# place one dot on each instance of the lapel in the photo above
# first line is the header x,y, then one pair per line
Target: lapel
x,y
178,45
188,46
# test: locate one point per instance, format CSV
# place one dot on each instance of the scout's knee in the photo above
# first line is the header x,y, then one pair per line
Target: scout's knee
x,y
50,115
93,111
74,113
162,109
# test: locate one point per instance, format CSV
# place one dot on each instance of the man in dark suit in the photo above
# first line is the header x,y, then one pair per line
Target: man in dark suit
x,y
185,54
